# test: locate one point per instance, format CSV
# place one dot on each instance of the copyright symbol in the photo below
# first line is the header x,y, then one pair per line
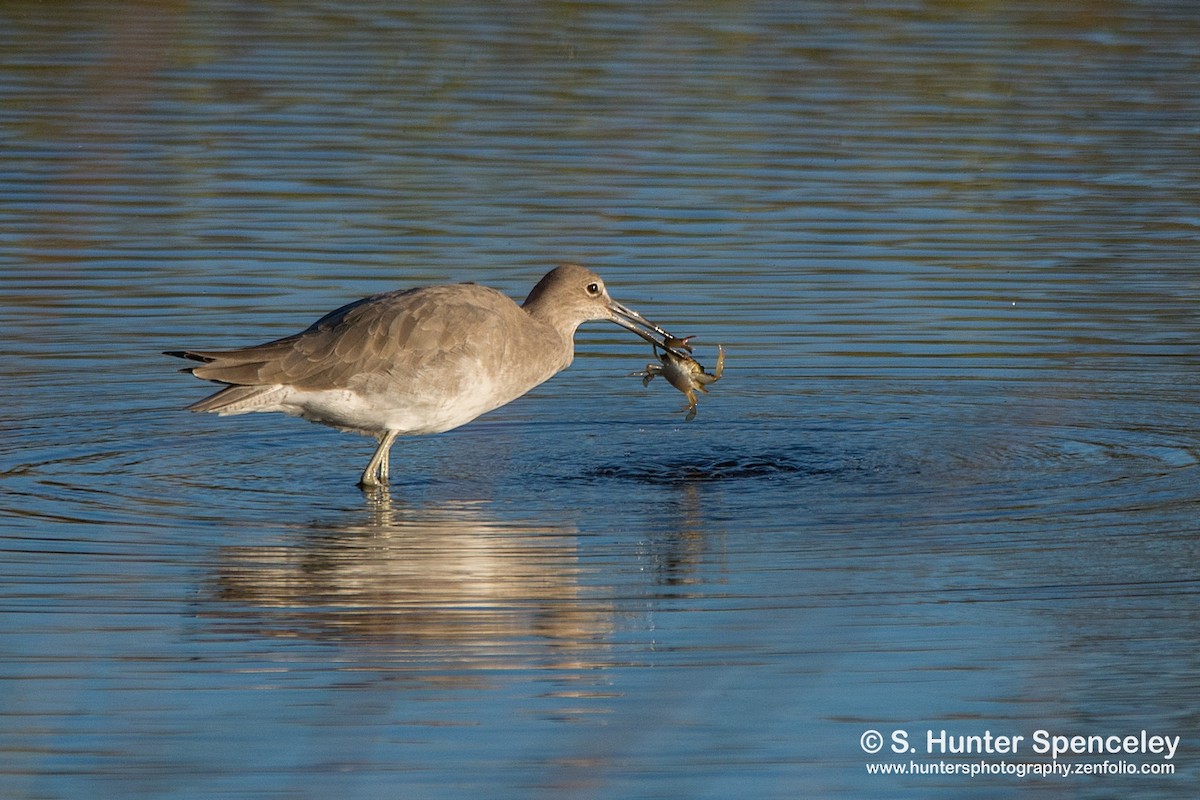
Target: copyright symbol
x,y
871,741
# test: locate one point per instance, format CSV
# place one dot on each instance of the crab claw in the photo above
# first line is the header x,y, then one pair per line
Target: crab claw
x,y
678,343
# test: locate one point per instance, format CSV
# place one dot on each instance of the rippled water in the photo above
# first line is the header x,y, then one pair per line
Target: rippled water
x,y
948,480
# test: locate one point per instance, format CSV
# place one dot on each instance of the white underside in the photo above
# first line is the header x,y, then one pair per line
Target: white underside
x,y
349,410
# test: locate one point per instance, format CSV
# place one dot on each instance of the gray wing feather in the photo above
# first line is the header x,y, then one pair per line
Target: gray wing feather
x,y
382,334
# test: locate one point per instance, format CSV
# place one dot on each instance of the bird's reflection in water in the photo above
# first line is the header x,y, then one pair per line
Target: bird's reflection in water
x,y
447,583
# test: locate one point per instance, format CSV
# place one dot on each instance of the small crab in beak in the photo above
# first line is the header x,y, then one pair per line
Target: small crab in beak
x,y
681,370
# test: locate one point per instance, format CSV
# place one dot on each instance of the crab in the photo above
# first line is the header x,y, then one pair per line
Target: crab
x,y
682,371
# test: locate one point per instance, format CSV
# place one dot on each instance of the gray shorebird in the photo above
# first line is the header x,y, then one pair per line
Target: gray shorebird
x,y
415,361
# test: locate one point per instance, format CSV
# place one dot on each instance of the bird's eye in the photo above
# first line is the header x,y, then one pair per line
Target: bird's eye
x,y
593,289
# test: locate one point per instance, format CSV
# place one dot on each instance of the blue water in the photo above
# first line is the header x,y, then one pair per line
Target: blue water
x,y
947,481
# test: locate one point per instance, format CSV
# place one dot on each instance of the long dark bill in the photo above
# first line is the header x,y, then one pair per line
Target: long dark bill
x,y
632,321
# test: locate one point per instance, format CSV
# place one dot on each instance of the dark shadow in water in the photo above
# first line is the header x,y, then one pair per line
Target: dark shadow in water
x,y
693,468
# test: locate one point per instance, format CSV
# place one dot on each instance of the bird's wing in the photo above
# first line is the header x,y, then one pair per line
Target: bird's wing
x,y
396,332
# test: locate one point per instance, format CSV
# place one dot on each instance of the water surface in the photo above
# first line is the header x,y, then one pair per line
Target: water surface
x,y
949,479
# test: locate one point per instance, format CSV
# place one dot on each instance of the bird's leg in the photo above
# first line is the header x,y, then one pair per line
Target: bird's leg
x,y
376,473
385,449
